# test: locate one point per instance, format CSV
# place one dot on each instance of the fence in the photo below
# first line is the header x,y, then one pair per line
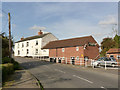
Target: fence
x,y
83,62
74,61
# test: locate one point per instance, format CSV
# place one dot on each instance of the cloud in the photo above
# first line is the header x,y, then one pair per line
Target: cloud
x,y
109,20
1,15
35,27
13,25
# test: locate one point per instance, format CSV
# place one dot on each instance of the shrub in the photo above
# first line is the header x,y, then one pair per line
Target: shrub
x,y
16,65
6,60
7,69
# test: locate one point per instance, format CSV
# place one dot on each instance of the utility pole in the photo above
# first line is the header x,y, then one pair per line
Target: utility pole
x,y
10,46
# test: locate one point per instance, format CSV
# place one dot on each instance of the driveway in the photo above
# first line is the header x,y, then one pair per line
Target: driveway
x,y
53,75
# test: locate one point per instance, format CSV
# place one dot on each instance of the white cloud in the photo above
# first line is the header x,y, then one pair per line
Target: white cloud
x,y
109,20
13,25
1,15
35,27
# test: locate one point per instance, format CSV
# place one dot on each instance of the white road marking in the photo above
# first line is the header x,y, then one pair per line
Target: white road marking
x,y
60,71
82,79
101,87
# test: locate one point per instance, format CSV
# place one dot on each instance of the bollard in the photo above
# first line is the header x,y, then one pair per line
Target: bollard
x,y
105,65
66,60
92,63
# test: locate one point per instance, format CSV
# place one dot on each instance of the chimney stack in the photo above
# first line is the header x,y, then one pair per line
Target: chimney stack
x,y
22,38
40,32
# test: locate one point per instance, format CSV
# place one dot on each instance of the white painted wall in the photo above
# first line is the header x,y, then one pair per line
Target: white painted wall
x,y
32,46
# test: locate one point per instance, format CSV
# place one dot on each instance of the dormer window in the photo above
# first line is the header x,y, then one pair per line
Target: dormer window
x,y
91,44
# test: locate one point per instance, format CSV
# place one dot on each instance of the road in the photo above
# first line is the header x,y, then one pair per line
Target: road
x,y
53,75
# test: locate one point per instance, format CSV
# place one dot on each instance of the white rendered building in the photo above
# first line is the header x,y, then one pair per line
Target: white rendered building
x,y
31,46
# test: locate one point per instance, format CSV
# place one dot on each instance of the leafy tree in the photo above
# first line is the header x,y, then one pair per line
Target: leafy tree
x,y
5,45
108,43
117,41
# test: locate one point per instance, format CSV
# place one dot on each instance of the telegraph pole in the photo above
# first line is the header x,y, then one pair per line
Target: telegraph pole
x,y
10,46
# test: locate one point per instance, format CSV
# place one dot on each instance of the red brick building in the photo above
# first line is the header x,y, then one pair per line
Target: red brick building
x,y
73,49
114,52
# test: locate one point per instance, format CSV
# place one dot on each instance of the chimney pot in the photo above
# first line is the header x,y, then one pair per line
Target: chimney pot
x,y
22,38
40,32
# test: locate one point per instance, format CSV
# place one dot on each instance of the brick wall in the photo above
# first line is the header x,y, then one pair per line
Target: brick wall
x,y
91,51
68,52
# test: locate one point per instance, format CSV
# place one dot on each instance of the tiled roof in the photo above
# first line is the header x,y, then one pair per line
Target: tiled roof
x,y
70,42
113,50
33,37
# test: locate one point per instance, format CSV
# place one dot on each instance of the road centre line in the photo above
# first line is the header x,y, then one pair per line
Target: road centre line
x,y
82,79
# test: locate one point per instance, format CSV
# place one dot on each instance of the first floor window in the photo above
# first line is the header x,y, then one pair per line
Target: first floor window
x,y
36,51
22,44
27,51
37,42
77,48
44,50
27,44
18,45
63,49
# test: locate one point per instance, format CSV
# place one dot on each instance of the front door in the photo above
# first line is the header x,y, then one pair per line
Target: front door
x,y
73,60
59,60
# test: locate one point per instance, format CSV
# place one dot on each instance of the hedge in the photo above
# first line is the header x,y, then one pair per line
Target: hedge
x,y
6,60
7,69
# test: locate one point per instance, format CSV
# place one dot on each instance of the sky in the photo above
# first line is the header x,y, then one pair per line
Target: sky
x,y
63,19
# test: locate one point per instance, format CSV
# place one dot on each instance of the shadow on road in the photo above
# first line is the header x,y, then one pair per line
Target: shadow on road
x,y
31,63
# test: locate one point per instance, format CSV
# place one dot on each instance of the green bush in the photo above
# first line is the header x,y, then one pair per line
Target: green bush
x,y
11,60
7,69
6,60
16,65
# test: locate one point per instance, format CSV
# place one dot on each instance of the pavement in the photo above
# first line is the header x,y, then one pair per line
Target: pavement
x,y
53,75
21,79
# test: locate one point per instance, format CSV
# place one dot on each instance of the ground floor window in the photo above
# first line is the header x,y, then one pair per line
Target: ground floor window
x,y
36,51
86,58
27,51
18,52
77,58
111,56
63,58
118,56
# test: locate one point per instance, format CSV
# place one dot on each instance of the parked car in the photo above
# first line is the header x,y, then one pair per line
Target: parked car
x,y
104,60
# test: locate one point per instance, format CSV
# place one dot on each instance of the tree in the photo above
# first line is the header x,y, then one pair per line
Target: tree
x,y
5,45
108,43
117,41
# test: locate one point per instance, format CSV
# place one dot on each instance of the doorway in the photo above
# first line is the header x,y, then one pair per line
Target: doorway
x,y
73,60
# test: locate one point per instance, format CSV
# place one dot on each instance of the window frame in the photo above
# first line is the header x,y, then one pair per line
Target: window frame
x,y
36,42
36,51
18,52
22,45
27,44
77,58
27,51
18,45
